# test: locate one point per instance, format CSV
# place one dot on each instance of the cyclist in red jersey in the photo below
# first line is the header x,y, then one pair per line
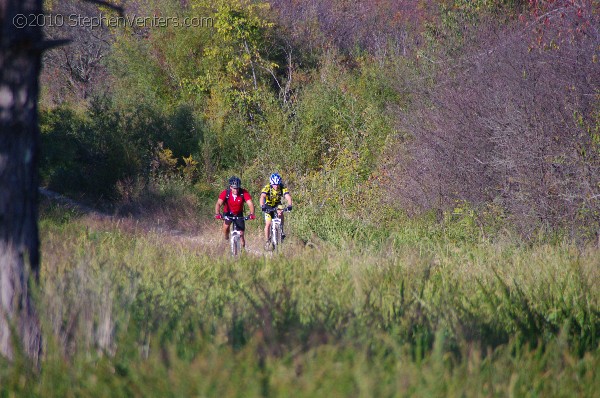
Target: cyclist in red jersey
x,y
232,200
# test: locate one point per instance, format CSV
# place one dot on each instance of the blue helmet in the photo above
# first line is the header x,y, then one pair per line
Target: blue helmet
x,y
275,179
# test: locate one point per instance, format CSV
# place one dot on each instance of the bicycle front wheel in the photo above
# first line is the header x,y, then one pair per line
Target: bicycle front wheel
x,y
277,235
236,245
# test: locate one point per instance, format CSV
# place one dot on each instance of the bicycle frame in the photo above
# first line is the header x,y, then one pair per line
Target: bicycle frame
x,y
235,235
276,232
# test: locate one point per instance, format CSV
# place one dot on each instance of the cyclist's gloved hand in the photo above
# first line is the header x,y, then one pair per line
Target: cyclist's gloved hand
x,y
289,208
252,216
264,207
218,216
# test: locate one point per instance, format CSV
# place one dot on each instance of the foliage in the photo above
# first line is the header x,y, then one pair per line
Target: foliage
x,y
479,135
346,114
89,153
85,154
240,36
562,22
73,73
343,124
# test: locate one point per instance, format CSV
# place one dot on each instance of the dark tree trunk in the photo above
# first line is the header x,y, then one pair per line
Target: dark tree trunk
x,y
20,63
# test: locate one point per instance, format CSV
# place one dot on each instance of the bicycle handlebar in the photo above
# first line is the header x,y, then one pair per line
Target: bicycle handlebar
x,y
269,209
232,218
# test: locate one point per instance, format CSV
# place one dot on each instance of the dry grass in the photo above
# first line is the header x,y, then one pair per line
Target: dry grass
x,y
136,312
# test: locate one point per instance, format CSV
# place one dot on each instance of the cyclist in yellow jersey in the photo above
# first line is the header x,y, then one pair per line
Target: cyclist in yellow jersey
x,y
271,196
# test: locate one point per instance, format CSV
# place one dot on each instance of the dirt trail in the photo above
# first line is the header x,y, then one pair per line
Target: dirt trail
x,y
207,238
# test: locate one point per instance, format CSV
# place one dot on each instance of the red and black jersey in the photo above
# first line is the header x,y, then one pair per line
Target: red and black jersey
x,y
235,203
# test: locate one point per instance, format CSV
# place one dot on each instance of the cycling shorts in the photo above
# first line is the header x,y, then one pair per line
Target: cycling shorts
x,y
269,215
240,223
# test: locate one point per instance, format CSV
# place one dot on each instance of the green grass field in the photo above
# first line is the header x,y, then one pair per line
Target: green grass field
x,y
420,313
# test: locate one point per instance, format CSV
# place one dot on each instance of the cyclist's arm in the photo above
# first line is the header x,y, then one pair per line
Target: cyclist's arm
x,y
250,206
289,198
218,206
263,199
248,200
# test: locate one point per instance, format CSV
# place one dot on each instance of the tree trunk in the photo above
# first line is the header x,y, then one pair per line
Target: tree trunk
x,y
20,63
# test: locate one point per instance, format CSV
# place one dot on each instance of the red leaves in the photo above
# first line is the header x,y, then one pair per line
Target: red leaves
x,y
564,20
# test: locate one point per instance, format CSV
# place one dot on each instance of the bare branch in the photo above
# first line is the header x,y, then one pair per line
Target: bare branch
x,y
119,9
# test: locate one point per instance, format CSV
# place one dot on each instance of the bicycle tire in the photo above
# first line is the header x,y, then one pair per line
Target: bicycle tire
x,y
236,245
277,236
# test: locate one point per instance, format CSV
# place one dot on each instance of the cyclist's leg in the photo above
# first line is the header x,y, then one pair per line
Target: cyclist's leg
x,y
268,218
268,221
225,229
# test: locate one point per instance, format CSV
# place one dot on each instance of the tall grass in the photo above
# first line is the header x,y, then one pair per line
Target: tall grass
x,y
132,314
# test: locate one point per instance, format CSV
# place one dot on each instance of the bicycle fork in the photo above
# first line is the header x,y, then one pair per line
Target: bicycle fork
x,y
276,232
235,240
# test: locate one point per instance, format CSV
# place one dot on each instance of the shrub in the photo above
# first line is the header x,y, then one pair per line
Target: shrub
x,y
500,128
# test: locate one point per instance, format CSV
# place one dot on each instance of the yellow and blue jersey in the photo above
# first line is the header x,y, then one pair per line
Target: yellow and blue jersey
x,y
274,196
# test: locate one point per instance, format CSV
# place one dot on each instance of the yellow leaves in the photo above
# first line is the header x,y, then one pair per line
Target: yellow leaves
x,y
195,86
241,28
189,161
190,168
165,157
211,52
164,165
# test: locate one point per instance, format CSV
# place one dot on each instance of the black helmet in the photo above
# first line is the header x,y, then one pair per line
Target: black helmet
x,y
235,182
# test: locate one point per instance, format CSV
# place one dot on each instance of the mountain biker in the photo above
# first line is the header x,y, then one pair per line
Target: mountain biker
x,y
232,200
271,196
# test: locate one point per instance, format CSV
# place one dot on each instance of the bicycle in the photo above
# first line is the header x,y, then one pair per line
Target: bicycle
x,y
276,231
235,239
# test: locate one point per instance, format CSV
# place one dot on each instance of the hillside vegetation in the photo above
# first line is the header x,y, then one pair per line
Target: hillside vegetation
x,y
409,105
444,158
